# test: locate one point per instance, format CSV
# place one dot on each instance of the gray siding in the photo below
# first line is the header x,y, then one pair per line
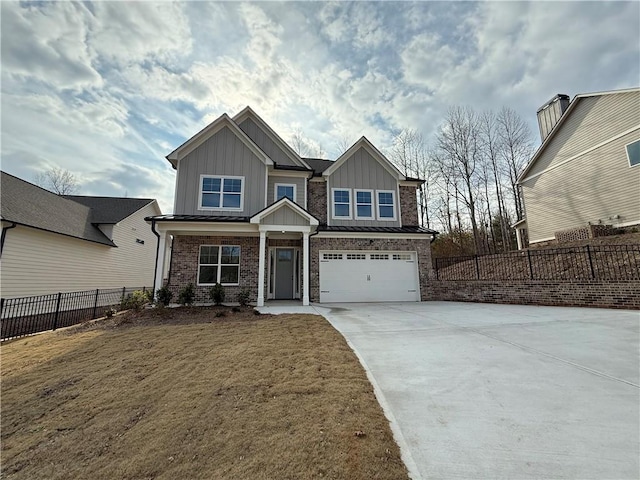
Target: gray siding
x,y
222,154
263,140
594,120
362,171
594,187
284,216
298,182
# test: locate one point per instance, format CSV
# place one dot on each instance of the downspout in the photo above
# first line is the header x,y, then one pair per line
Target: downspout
x,y
153,229
4,235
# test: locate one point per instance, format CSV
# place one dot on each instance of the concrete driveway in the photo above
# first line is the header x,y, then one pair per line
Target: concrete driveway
x,y
501,391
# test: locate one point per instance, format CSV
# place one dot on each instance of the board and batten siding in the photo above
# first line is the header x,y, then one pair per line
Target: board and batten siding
x,y
222,154
362,171
264,141
299,182
284,216
593,120
596,186
36,262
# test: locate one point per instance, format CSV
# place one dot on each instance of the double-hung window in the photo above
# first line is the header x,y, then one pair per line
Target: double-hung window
x,y
285,190
633,153
364,204
221,193
219,264
342,203
386,205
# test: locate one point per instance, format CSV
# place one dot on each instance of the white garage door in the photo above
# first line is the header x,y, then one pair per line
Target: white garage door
x,y
368,276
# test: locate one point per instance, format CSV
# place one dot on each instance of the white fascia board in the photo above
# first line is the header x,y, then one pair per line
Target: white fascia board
x,y
373,151
284,146
214,127
373,235
177,228
286,228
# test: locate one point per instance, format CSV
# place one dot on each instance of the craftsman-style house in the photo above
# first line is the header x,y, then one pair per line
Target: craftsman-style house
x,y
250,213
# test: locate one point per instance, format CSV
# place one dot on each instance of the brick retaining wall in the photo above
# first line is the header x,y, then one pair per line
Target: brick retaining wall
x,y
609,294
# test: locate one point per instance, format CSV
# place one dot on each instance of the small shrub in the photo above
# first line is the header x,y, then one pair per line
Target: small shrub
x,y
187,295
110,312
164,296
236,309
217,294
134,301
243,297
149,295
221,313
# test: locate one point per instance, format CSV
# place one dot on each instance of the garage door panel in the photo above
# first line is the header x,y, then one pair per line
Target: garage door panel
x,y
368,276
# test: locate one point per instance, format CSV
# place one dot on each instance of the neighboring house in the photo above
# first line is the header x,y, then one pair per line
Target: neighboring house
x,y
585,177
53,243
252,214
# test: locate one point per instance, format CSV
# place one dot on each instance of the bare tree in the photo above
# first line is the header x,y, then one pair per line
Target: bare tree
x,y
344,143
59,181
299,143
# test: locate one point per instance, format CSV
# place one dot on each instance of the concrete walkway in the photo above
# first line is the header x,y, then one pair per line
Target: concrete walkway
x,y
481,391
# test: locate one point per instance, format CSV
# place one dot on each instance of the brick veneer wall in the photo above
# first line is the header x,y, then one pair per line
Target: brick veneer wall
x,y
610,294
408,205
421,246
317,200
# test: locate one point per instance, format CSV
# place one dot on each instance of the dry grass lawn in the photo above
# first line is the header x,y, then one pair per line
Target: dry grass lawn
x,y
183,394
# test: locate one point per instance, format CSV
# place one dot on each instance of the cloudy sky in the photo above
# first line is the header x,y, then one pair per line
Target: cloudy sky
x,y
107,89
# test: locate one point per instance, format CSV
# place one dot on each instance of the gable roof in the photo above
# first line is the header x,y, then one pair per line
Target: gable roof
x,y
284,202
110,209
247,112
562,121
210,130
318,165
373,151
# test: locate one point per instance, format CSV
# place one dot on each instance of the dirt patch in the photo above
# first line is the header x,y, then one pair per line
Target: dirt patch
x,y
183,393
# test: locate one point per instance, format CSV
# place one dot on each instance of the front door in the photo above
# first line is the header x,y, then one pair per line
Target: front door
x,y
284,273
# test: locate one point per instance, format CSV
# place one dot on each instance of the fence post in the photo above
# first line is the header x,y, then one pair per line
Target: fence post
x,y
1,306
436,264
55,318
593,273
530,266
95,304
477,267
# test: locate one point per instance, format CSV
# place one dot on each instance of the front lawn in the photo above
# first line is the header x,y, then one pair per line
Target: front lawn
x,y
181,393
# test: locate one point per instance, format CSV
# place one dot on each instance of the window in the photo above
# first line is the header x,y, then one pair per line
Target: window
x,y
356,256
219,264
379,256
386,205
221,193
364,204
332,256
633,153
402,256
285,190
342,204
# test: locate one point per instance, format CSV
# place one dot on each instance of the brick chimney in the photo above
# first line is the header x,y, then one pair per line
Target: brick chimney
x,y
549,114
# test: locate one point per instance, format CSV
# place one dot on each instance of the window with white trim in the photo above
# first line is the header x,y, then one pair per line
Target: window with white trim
x,y
219,264
364,204
633,153
221,193
284,190
386,204
342,203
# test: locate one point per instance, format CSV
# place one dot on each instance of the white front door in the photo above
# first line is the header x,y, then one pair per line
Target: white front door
x,y
368,276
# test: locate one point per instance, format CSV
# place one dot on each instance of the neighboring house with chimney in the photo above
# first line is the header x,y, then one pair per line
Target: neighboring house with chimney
x,y
584,180
250,213
53,243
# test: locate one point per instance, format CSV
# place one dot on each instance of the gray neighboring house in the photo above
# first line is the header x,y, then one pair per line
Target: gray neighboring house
x,y
585,177
53,243
251,214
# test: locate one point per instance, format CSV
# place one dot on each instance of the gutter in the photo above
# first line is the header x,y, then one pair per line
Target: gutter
x,y
433,237
4,235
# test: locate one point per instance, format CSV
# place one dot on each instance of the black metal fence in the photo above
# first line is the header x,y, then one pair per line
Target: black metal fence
x,y
27,315
601,262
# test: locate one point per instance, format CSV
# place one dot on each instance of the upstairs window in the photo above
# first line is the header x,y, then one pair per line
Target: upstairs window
x,y
633,153
221,193
342,204
386,205
219,264
364,204
285,190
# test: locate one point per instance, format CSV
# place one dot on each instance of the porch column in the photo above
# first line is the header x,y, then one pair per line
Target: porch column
x,y
162,253
519,238
305,268
261,261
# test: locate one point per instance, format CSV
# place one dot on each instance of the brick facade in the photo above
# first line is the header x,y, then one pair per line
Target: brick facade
x,y
421,246
583,293
317,200
408,205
